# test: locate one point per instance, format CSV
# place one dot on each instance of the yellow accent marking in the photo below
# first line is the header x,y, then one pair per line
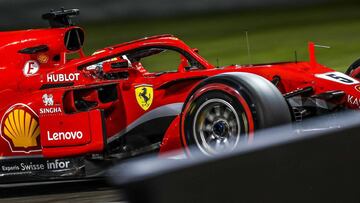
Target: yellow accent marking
x,y
36,132
21,123
21,128
9,134
144,96
32,127
12,122
9,127
27,123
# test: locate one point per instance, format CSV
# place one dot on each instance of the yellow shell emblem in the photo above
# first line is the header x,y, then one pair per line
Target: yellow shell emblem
x,y
144,95
20,127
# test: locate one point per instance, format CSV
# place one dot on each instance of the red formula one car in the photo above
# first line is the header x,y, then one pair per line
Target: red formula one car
x,y
58,113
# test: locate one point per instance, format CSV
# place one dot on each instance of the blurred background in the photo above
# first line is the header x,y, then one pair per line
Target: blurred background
x,y
276,28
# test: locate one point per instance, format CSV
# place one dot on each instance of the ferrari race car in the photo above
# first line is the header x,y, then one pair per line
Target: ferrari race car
x,y
59,112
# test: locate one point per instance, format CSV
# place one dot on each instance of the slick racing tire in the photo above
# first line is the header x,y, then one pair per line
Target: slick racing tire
x,y
226,109
354,70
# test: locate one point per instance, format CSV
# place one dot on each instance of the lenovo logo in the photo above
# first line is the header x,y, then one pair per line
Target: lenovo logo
x,y
57,136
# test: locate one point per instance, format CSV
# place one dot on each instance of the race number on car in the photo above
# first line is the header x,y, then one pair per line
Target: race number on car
x,y
337,77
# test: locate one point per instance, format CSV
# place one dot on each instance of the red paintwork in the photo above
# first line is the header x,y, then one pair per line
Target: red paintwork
x,y
88,123
172,137
312,57
17,88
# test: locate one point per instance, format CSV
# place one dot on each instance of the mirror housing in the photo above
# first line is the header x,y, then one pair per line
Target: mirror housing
x,y
118,65
196,50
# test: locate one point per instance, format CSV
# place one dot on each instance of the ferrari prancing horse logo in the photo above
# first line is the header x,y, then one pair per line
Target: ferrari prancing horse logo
x,y
144,95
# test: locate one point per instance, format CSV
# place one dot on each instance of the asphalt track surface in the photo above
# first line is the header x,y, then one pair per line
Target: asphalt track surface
x,y
93,190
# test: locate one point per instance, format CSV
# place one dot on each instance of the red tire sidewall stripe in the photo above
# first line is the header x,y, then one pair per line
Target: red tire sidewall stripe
x,y
355,72
225,88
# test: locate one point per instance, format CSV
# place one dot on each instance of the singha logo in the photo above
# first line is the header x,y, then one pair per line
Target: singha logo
x,y
48,99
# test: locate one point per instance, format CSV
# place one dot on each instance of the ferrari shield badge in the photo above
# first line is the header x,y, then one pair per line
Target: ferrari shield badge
x,y
144,95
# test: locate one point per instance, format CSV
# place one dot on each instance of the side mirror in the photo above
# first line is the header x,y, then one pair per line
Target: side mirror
x,y
122,63
118,65
196,50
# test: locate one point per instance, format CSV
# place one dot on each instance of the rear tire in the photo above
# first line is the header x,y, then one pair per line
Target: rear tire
x,y
227,108
354,70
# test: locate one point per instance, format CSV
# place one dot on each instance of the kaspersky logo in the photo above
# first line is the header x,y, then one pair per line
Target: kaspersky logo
x,y
20,128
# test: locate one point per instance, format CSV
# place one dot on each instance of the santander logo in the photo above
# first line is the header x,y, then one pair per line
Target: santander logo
x,y
57,136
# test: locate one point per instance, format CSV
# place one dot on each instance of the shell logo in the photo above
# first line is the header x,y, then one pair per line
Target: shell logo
x,y
357,87
20,128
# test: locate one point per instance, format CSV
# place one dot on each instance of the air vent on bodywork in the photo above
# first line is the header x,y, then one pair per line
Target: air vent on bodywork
x,y
100,97
74,39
